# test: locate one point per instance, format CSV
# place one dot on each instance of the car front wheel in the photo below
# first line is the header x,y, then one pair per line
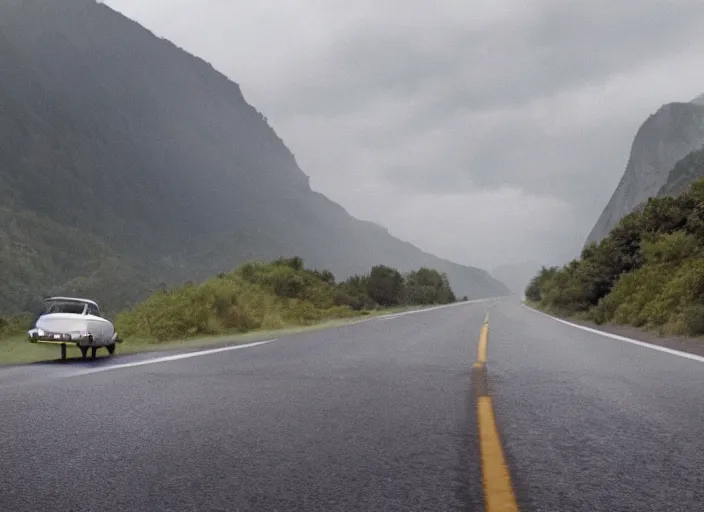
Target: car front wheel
x,y
111,349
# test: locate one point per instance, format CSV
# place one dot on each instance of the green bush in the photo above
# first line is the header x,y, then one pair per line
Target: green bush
x,y
385,286
274,295
649,271
353,293
669,247
427,286
692,320
15,325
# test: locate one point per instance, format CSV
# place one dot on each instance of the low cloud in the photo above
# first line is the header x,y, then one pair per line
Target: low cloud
x,y
487,132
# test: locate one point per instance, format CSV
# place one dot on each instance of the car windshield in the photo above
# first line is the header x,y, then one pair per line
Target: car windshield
x,y
65,307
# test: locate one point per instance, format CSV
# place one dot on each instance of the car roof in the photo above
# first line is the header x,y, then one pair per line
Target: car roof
x,y
72,299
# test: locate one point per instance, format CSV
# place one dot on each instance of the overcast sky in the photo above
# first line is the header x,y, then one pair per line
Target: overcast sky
x,y
484,131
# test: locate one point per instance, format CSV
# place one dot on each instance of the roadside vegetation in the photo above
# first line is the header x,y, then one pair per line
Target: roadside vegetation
x,y
14,325
649,271
256,297
283,293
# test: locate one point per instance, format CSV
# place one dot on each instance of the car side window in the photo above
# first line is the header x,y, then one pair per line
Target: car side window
x,y
92,310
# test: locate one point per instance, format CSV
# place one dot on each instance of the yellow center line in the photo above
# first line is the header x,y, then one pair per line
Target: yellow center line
x,y
496,478
483,343
498,491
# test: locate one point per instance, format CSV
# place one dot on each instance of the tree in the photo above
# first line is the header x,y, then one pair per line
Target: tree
x,y
295,263
385,285
534,290
428,286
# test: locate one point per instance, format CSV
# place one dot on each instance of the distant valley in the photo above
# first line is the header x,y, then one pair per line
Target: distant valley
x,y
517,275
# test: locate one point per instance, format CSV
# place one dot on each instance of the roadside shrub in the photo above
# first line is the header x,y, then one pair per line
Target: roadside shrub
x,y
649,271
692,320
287,279
180,313
427,286
353,293
271,296
15,325
540,283
669,247
385,285
295,263
355,301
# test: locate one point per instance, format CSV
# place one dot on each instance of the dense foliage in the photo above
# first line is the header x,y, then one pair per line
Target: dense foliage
x,y
14,325
649,271
277,294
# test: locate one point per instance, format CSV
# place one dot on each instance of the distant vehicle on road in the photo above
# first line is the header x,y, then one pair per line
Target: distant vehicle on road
x,y
68,320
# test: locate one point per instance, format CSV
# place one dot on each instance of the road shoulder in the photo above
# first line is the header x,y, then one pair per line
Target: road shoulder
x,y
681,343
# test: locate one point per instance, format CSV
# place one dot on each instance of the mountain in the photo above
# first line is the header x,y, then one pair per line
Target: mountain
x,y
127,164
686,171
516,275
666,137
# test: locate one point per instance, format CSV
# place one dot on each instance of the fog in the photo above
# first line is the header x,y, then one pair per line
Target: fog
x,y
486,132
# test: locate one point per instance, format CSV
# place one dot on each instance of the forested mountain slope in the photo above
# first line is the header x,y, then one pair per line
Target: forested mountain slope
x,y
125,163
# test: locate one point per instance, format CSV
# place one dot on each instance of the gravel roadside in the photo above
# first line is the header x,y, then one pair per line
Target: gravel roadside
x,y
681,343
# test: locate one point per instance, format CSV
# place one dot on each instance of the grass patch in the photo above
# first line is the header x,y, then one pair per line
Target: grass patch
x,y
16,349
257,300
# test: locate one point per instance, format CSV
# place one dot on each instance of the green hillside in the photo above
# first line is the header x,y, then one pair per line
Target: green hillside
x,y
127,164
648,272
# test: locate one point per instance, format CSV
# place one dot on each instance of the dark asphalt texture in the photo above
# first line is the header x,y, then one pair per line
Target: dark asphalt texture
x,y
373,416
594,424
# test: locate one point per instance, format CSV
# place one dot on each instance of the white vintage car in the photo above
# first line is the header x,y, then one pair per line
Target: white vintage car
x,y
67,320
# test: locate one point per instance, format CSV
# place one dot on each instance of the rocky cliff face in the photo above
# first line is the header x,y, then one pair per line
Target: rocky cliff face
x,y
687,171
666,137
126,164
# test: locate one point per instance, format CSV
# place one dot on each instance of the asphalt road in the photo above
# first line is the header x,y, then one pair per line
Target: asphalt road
x,y
379,415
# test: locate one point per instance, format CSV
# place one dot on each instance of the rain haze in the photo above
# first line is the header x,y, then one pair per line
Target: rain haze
x,y
486,132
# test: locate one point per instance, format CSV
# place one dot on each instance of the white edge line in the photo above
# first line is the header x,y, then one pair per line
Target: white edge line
x,y
651,346
175,357
188,355
425,310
